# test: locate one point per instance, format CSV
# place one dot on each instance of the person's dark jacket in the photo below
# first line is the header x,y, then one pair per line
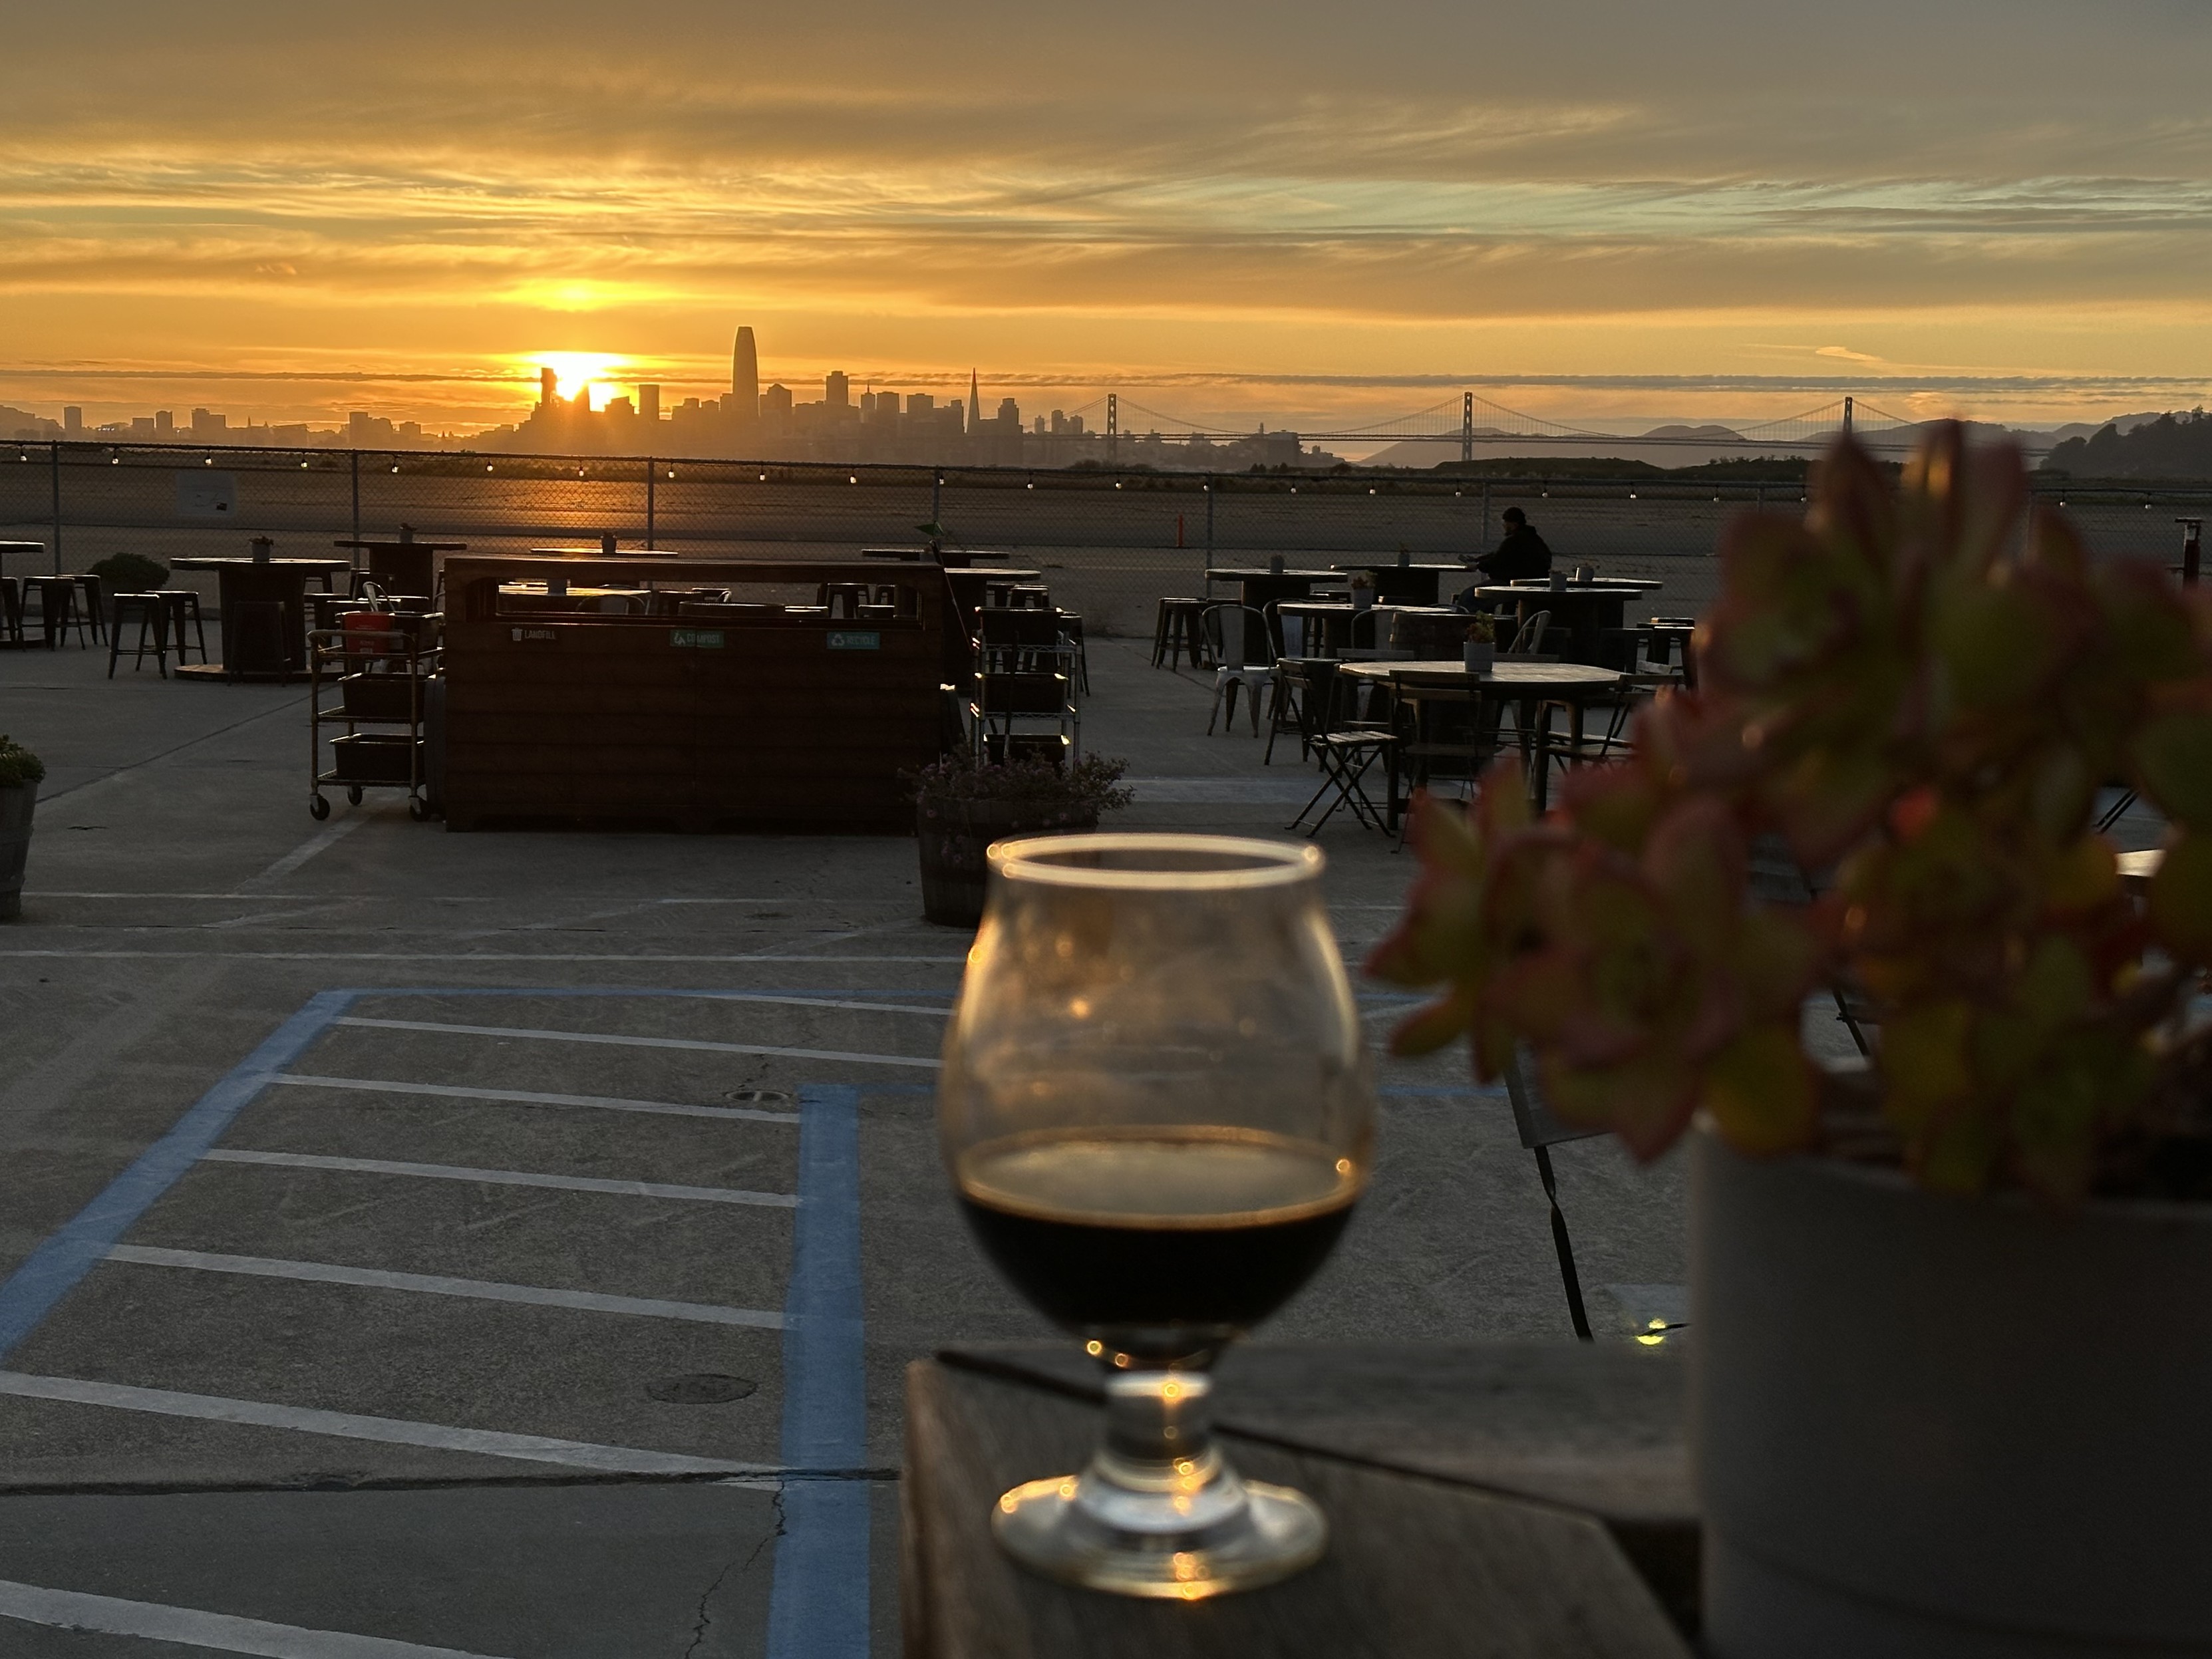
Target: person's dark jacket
x,y
1521,555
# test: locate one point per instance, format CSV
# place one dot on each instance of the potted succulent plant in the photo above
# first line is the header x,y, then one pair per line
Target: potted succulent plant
x,y
961,804
1362,588
1950,1361
1480,650
20,772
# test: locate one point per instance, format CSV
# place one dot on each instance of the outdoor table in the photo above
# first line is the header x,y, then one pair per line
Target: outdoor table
x,y
1333,620
403,565
951,558
1260,587
969,582
6,548
1411,584
1574,685
244,581
1504,1500
1582,611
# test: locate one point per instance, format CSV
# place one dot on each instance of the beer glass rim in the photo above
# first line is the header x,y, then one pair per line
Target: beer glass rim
x,y
1037,859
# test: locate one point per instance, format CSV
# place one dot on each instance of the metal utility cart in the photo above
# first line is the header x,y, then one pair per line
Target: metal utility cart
x,y
379,668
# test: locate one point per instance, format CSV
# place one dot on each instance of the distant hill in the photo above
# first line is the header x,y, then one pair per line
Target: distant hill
x,y
2178,446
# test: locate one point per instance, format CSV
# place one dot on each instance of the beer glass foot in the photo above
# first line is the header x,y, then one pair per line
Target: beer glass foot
x,y
1267,1534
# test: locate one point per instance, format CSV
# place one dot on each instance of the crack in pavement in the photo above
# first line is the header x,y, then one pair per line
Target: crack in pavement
x,y
706,1618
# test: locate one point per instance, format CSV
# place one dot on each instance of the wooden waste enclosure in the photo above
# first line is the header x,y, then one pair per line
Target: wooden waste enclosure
x,y
654,691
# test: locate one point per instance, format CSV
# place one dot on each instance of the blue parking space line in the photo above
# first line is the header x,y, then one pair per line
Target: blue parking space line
x,y
56,1268
819,1598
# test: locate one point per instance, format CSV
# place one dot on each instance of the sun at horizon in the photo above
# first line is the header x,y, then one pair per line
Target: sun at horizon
x,y
574,370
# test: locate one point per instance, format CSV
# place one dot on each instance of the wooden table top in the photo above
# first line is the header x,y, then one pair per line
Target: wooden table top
x,y
1619,590
22,547
1540,676
197,563
1246,573
375,545
1642,584
1497,1500
1344,608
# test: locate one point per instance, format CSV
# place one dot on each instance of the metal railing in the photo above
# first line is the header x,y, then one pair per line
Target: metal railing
x,y
1111,542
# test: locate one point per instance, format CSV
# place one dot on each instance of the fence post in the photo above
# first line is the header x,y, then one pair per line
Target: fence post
x,y
651,467
356,500
1209,518
55,454
936,494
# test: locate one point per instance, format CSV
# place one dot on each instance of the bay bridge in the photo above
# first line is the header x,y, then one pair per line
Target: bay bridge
x,y
1471,420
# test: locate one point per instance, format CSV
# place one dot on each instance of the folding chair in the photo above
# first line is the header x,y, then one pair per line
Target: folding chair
x,y
1345,758
1540,1132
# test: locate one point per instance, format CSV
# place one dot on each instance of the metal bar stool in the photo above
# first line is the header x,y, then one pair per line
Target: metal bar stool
x,y
1175,632
153,615
90,585
11,611
183,605
58,609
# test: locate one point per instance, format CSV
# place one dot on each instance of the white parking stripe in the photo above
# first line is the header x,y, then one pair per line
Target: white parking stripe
x,y
107,1616
530,1098
322,1273
616,1040
502,1177
395,1432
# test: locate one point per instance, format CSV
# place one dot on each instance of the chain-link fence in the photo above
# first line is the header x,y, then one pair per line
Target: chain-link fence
x,y
1111,543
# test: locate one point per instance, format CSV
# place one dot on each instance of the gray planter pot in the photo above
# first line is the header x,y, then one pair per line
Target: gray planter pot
x,y
16,800
955,835
1931,1427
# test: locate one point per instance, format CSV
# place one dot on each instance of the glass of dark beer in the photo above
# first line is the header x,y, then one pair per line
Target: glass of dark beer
x,y
1157,1108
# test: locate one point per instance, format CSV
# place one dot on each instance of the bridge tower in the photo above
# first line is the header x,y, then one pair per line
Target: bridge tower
x,y
1847,416
1113,426
1466,426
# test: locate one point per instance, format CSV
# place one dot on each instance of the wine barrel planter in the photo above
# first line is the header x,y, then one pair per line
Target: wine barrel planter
x,y
16,800
956,834
1928,1425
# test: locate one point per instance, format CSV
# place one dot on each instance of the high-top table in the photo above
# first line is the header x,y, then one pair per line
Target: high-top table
x,y
1259,586
1411,584
1580,611
1521,1501
1576,685
402,565
260,581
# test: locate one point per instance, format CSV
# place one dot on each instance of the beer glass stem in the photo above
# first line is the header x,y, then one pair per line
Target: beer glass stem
x,y
1160,1431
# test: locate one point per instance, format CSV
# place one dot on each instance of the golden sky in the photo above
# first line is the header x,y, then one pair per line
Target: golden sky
x,y
1227,208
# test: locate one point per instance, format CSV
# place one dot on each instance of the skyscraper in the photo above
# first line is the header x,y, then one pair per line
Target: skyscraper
x,y
744,375
836,389
648,402
548,388
974,404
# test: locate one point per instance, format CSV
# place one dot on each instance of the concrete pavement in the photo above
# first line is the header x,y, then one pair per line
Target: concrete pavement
x,y
477,1314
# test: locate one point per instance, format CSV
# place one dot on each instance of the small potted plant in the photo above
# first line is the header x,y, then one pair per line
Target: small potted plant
x,y
1362,586
20,772
1949,1361
1480,650
961,804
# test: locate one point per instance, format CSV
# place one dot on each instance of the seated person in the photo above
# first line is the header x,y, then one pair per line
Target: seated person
x,y
1523,554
